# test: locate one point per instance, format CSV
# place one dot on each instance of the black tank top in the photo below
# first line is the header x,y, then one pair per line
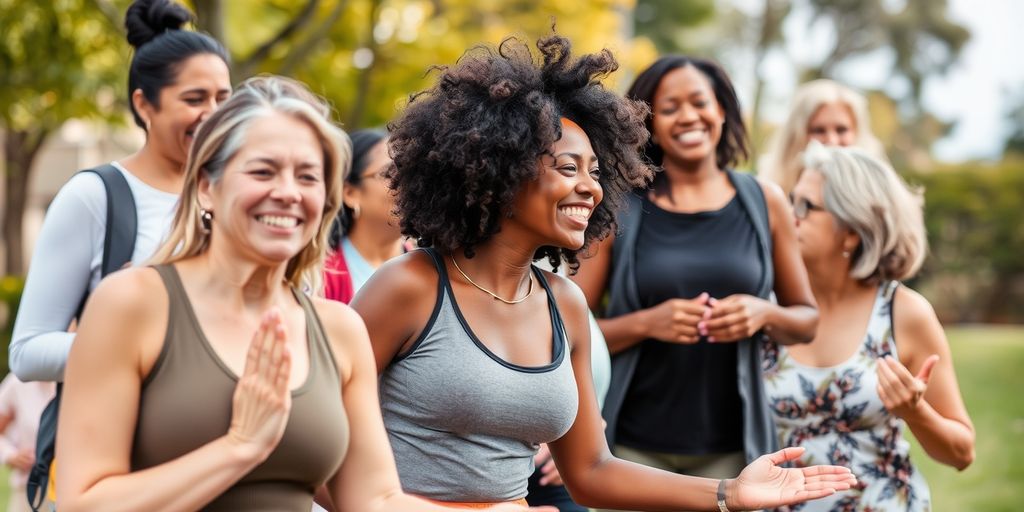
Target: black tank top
x,y
684,399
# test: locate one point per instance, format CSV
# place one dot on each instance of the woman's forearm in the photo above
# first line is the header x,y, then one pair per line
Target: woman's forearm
x,y
622,332
616,483
791,325
946,440
184,484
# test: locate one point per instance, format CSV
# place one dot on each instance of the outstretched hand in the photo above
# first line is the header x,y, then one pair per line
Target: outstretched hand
x,y
763,484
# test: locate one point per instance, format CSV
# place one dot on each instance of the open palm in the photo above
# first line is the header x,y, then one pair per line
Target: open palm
x,y
763,484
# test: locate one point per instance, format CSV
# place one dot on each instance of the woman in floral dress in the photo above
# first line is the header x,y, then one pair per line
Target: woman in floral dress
x,y
880,359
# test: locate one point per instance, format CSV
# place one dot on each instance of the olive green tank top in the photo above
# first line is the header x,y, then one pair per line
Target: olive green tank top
x,y
186,402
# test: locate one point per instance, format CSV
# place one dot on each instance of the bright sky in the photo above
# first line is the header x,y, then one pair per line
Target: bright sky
x,y
976,91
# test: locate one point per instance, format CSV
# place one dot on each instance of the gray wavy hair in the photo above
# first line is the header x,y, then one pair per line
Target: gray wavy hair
x,y
867,196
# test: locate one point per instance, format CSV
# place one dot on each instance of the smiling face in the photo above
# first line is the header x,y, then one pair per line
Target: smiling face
x,y
833,125
201,85
687,118
557,205
269,202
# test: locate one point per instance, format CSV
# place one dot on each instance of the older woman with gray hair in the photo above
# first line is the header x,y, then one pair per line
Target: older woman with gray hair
x,y
880,359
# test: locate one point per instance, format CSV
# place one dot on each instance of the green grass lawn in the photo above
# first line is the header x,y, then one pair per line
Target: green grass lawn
x,y
990,366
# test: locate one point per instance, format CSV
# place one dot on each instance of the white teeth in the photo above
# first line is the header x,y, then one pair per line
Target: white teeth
x,y
691,136
278,221
580,212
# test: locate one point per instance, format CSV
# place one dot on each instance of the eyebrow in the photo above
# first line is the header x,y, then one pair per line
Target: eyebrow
x,y
574,156
276,163
200,90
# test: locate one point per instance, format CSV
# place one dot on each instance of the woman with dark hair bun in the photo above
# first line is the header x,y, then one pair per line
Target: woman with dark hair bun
x,y
688,278
175,80
365,233
505,161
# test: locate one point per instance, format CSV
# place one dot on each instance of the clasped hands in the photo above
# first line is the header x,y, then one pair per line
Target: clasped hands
x,y
685,321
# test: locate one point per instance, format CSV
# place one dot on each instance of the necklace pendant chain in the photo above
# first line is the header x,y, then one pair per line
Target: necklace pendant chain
x,y
492,294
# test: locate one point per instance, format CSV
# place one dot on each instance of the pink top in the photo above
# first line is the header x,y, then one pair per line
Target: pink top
x,y
21,403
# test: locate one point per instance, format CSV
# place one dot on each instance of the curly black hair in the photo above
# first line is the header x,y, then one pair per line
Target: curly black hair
x,y
463,148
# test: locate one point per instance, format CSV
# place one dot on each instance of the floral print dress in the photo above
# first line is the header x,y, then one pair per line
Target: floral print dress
x,y
836,415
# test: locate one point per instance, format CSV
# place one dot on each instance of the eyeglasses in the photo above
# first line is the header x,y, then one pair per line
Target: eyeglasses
x,y
802,206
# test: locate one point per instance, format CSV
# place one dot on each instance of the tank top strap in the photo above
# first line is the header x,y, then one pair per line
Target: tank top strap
x,y
442,270
320,345
889,290
879,339
556,316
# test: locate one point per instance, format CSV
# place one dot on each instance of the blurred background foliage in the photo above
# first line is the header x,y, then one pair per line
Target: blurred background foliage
x,y
65,59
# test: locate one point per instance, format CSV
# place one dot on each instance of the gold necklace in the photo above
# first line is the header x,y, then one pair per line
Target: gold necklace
x,y
488,292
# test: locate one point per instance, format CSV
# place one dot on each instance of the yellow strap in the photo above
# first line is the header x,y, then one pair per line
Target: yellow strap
x,y
51,489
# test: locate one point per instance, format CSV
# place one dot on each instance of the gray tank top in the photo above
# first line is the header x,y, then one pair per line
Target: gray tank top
x,y
465,424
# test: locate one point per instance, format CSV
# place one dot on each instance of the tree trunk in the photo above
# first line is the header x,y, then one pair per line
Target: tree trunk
x,y
210,19
355,117
20,149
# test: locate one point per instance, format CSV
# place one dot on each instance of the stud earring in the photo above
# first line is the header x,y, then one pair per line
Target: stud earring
x,y
206,218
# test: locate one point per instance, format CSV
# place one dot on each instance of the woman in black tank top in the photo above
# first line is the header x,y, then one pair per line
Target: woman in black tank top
x,y
689,284
508,159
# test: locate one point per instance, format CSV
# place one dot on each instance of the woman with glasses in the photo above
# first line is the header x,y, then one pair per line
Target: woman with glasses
x,y
365,233
880,359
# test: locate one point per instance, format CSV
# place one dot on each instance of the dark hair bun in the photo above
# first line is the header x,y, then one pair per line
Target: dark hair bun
x,y
147,19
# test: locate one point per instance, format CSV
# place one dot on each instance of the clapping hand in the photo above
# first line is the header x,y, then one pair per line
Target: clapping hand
x,y
262,400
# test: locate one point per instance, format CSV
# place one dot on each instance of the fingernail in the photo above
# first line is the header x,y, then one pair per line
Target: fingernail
x,y
711,339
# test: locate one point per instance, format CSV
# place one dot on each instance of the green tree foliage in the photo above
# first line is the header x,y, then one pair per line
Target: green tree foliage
x,y
367,56
59,59
975,272
665,22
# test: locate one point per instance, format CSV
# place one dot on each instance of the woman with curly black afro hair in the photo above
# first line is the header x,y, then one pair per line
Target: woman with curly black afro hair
x,y
483,356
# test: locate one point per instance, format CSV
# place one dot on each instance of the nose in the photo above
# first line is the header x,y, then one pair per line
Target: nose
x,y
686,114
832,138
286,189
208,107
588,186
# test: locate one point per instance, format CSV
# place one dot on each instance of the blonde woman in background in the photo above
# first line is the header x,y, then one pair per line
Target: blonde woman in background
x,y
880,361
827,112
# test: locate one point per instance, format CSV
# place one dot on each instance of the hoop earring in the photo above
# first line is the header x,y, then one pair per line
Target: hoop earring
x,y
206,218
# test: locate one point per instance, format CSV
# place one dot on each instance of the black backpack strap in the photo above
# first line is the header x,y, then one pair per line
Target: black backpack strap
x,y
118,247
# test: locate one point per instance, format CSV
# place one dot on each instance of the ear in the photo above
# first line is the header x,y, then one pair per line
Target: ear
x,y
851,241
351,195
204,192
142,106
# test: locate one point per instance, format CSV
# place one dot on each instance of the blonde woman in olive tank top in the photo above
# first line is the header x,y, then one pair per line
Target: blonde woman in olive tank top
x,y
211,381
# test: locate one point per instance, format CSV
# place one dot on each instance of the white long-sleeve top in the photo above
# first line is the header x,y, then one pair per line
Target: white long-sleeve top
x,y
67,262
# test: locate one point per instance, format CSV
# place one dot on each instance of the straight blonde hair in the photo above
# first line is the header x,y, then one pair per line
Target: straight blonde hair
x,y
867,196
782,163
218,140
